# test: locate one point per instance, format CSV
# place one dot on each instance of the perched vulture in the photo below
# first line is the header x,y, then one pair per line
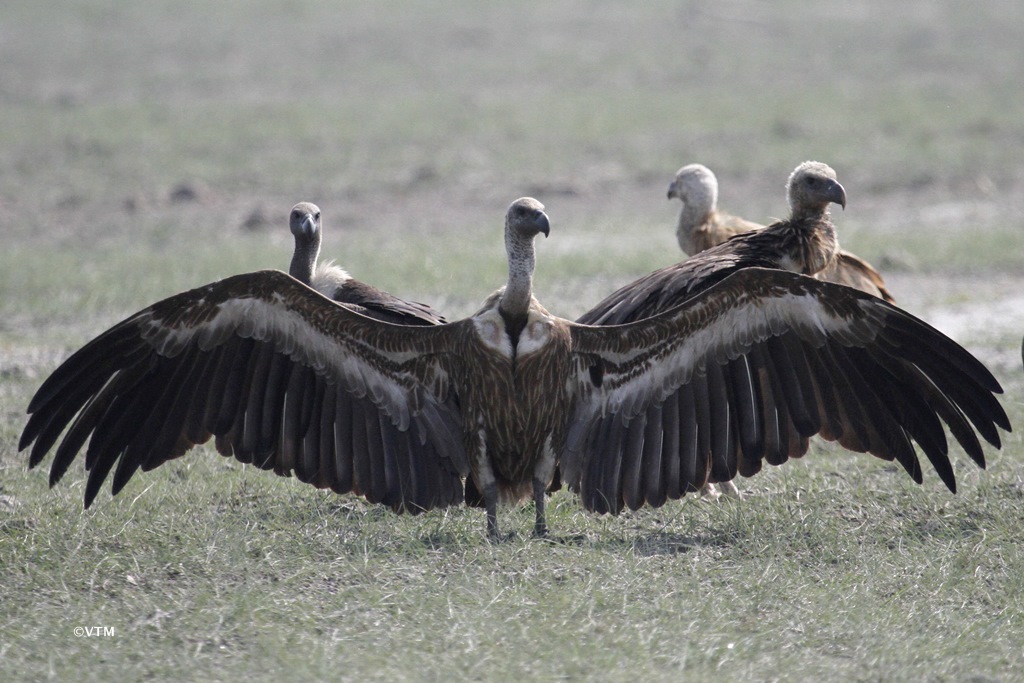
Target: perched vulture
x,y
702,226
806,243
334,283
285,379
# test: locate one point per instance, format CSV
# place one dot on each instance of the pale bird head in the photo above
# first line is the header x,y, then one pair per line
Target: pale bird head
x,y
813,186
304,220
526,218
694,184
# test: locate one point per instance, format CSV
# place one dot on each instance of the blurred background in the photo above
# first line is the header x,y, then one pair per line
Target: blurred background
x,y
152,147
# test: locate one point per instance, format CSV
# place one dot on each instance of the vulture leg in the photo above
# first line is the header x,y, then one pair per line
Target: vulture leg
x,y
487,485
491,505
540,526
542,474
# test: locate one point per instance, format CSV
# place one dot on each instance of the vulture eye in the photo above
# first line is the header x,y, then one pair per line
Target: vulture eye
x,y
317,216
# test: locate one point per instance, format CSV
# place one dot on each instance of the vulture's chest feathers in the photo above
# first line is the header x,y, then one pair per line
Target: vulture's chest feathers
x,y
520,400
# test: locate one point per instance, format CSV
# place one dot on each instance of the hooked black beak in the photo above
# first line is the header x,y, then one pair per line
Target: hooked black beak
x,y
543,225
837,194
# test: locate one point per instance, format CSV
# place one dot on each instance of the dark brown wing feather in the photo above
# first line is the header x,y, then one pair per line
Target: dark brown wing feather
x,y
387,307
380,305
749,371
282,377
775,246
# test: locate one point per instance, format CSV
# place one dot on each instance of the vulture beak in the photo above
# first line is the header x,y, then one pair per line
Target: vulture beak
x,y
541,220
671,191
837,194
308,225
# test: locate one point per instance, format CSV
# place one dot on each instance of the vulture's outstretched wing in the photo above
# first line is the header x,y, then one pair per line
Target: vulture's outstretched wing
x,y
284,379
751,369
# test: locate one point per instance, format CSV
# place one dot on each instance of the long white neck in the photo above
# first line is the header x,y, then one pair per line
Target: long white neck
x,y
515,300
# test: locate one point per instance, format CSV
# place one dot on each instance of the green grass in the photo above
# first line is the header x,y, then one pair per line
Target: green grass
x,y
413,131
834,568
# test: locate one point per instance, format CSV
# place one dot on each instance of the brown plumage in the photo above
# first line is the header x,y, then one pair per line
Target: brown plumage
x,y
805,243
702,226
284,378
335,283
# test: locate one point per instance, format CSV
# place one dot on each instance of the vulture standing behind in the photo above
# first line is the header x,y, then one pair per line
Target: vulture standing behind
x,y
335,283
285,379
702,226
805,243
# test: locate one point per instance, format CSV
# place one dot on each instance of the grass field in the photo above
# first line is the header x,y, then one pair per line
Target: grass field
x,y
150,148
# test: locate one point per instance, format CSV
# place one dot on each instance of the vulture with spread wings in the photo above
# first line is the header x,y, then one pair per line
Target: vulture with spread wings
x,y
288,380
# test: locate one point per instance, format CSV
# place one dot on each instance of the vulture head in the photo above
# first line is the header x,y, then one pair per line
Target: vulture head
x,y
812,187
526,219
304,222
696,186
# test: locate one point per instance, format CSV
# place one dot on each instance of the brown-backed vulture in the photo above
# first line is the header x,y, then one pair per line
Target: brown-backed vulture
x,y
702,226
283,377
335,283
